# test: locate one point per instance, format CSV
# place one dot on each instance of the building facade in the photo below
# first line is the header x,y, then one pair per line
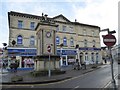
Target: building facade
x,y
22,31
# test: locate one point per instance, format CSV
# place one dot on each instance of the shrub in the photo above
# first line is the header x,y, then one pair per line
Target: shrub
x,y
45,73
16,78
95,66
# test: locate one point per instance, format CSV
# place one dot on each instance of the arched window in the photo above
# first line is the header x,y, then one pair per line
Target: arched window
x,y
57,40
65,41
85,43
71,41
19,40
32,40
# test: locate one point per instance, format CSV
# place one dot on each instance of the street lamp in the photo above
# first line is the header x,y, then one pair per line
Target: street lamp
x,y
4,48
110,54
61,62
78,56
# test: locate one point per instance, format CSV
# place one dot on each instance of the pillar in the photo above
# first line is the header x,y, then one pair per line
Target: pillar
x,y
66,60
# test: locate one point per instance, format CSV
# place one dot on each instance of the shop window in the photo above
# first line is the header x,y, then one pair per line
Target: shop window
x,y
92,57
97,57
19,40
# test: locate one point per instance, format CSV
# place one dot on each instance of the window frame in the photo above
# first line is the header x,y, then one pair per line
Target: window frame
x,y
19,40
65,41
20,24
57,41
32,41
71,41
32,25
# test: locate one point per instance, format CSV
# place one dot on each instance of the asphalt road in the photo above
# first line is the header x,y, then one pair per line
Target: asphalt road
x,y
96,79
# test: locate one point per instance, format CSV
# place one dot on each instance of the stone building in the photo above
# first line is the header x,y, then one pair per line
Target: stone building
x,y
22,31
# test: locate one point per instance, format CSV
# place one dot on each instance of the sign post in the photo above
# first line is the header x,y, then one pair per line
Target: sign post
x,y
49,51
110,40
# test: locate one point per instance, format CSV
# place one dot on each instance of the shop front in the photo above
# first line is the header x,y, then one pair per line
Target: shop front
x,y
25,56
68,56
90,55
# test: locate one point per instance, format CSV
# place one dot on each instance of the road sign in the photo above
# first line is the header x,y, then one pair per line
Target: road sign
x,y
49,48
109,40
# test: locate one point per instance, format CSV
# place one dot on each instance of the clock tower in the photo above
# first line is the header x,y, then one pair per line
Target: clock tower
x,y
46,36
46,44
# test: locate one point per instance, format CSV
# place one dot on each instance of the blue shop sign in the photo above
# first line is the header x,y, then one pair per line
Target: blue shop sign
x,y
66,52
22,52
89,49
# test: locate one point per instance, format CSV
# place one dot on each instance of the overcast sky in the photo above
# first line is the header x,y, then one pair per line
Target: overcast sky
x,y
102,13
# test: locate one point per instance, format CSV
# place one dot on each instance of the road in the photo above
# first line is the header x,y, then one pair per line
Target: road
x,y
96,79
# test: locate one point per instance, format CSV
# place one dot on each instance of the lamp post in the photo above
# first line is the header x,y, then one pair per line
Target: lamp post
x,y
4,48
78,56
110,53
61,61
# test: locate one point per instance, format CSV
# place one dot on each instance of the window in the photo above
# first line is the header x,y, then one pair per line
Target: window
x,y
84,32
93,33
86,56
92,57
71,29
57,28
97,57
93,43
32,25
20,24
32,40
85,43
19,40
65,41
64,28
57,40
71,41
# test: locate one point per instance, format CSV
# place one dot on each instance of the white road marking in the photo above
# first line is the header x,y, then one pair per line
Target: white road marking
x,y
77,86
110,82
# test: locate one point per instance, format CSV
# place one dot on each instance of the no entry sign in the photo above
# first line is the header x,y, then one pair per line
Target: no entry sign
x,y
109,40
49,48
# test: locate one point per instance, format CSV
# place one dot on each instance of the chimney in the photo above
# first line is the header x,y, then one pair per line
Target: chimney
x,y
45,16
75,20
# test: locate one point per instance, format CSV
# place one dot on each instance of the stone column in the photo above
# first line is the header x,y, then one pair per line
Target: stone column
x,y
66,60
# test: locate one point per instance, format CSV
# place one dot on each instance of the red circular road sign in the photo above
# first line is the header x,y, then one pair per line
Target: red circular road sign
x,y
49,48
109,40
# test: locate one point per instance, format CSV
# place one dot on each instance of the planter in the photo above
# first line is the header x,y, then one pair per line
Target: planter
x,y
45,73
16,78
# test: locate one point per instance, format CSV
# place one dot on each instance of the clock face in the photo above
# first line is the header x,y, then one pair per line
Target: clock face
x,y
48,34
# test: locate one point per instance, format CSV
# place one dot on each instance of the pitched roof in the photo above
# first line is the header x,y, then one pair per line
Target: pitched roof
x,y
62,17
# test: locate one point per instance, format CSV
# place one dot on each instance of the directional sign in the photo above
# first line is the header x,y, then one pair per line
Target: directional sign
x,y
109,40
49,48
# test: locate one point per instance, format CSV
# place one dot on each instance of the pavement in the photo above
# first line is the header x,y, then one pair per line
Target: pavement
x,y
115,86
28,79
